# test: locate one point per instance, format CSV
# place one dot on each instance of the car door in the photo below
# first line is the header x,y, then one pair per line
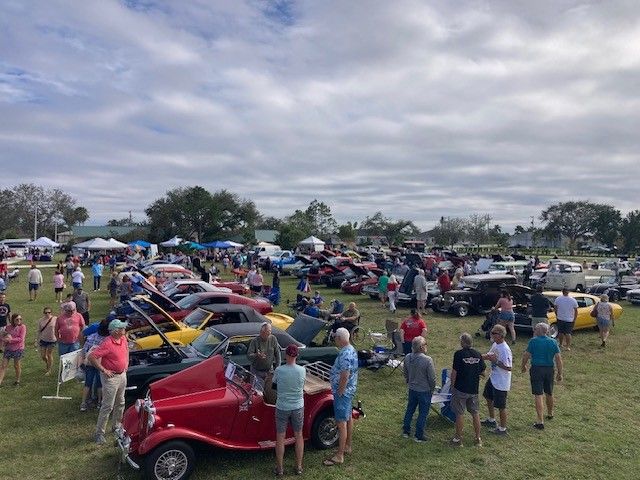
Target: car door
x,y
585,305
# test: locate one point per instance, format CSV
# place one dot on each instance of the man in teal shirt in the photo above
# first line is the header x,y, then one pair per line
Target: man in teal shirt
x,y
288,381
542,351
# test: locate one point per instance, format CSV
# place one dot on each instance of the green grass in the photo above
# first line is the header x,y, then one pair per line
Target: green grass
x,y
594,434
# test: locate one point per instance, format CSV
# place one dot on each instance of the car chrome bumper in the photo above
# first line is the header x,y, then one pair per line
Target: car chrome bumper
x,y
123,441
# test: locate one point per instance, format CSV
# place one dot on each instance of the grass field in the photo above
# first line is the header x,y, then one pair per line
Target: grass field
x,y
593,435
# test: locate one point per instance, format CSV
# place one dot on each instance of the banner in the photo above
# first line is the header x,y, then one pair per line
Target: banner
x,y
70,363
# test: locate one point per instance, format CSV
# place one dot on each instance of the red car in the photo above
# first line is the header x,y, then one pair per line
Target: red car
x,y
219,404
195,300
355,286
235,287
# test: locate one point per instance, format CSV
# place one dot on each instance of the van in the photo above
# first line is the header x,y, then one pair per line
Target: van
x,y
566,275
504,267
267,250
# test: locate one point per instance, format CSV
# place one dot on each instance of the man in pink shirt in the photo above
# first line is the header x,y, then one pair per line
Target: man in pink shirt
x,y
111,358
68,327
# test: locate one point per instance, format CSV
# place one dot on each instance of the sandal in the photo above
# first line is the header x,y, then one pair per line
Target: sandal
x,y
277,473
298,471
330,462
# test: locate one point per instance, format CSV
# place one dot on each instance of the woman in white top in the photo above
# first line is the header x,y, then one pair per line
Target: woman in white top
x,y
604,315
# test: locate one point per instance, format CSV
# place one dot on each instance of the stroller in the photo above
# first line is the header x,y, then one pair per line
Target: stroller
x,y
491,319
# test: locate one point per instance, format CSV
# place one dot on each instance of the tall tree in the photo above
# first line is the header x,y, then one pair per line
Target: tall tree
x,y
477,228
347,232
449,231
571,219
322,221
605,223
630,231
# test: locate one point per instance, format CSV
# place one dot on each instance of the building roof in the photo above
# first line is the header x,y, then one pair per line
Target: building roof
x,y
266,235
105,231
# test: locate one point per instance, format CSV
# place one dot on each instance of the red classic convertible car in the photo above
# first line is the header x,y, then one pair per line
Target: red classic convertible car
x,y
219,404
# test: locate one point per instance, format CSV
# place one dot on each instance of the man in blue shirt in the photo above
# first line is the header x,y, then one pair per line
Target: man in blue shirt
x,y
542,351
344,381
288,380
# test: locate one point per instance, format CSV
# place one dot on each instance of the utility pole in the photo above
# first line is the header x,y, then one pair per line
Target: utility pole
x,y
130,218
35,223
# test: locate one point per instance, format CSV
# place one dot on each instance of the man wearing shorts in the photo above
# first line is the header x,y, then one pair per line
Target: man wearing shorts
x,y
499,383
35,280
344,381
288,381
542,351
468,365
566,308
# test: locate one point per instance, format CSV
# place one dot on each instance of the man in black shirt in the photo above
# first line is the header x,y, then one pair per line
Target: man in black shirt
x,y
468,365
540,306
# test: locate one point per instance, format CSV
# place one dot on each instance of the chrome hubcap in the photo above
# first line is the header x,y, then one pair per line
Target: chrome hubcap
x,y
171,465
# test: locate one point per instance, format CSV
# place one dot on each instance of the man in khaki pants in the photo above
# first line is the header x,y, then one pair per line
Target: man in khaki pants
x,y
111,358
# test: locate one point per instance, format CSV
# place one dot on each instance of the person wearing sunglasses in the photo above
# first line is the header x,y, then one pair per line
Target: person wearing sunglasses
x,y
46,338
14,336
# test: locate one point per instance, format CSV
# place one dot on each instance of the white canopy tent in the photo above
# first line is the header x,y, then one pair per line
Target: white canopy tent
x,y
312,243
43,242
172,242
234,244
117,244
98,244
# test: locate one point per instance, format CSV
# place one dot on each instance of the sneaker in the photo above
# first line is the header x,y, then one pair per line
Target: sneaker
x,y
455,442
420,439
489,423
83,407
100,440
549,417
538,426
497,431
478,442
405,435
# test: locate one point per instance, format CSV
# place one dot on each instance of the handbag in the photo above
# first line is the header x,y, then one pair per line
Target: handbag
x,y
594,312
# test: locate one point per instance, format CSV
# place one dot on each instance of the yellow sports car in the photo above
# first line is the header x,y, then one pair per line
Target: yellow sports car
x,y
191,326
586,303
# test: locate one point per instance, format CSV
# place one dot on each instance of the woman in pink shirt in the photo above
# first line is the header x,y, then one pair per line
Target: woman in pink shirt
x,y
506,316
58,285
68,327
14,336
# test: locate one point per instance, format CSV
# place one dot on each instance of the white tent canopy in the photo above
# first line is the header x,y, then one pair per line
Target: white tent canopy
x,y
99,244
234,244
117,244
311,241
172,242
43,242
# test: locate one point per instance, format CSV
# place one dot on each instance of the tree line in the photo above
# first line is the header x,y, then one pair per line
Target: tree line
x,y
198,214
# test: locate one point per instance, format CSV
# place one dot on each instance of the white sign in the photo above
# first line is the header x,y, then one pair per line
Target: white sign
x,y
70,363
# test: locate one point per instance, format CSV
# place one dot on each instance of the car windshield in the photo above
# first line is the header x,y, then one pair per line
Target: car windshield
x,y
170,285
209,342
188,302
195,318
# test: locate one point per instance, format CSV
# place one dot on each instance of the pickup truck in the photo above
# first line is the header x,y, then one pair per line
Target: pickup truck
x,y
279,259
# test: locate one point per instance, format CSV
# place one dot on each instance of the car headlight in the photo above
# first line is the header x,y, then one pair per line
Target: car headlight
x,y
151,420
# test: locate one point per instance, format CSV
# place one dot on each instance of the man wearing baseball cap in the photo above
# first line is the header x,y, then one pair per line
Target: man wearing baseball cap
x,y
111,358
288,380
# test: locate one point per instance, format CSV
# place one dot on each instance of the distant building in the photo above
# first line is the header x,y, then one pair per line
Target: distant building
x,y
529,240
84,232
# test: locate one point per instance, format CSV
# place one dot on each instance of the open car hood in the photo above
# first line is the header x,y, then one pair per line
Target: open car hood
x,y
165,341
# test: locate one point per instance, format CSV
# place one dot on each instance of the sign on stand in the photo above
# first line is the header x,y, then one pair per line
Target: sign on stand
x,y
70,364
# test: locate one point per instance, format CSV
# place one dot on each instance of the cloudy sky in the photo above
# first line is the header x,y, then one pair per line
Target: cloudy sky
x,y
416,108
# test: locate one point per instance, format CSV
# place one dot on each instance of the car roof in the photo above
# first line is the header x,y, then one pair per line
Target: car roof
x,y
242,329
487,276
230,307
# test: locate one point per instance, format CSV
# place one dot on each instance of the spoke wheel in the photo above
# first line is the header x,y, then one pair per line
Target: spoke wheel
x,y
324,433
170,461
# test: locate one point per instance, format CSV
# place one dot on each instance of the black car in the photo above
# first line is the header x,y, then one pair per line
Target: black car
x,y
614,288
335,278
478,295
230,340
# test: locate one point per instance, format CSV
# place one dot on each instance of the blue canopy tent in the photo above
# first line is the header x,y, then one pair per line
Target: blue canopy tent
x,y
191,246
217,244
140,243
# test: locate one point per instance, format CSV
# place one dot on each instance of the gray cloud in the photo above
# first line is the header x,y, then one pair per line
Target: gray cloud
x,y
418,109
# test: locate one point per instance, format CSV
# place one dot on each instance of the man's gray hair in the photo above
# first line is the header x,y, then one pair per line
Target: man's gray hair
x,y
417,343
541,329
466,340
342,333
